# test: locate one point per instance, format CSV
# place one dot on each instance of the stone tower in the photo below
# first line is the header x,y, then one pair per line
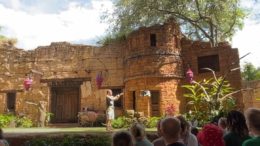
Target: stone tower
x,y
152,61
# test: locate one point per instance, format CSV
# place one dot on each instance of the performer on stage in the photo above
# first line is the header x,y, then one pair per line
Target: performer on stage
x,y
110,113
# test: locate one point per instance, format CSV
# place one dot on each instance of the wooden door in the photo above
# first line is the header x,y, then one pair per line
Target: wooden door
x,y
65,104
155,106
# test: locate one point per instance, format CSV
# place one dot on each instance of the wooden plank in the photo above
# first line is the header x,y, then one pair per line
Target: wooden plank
x,y
65,105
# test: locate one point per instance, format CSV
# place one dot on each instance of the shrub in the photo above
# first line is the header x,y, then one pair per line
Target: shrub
x,y
11,120
120,122
24,122
126,122
5,120
152,122
70,141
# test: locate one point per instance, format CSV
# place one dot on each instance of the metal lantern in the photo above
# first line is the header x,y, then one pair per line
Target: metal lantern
x,y
189,75
99,80
27,83
145,93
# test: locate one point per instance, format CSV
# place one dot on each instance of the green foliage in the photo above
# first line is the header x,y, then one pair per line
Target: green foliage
x,y
126,122
120,122
7,120
210,97
211,20
48,116
7,41
152,122
71,141
99,141
24,122
250,72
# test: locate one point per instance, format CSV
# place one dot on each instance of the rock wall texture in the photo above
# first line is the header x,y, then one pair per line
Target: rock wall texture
x,y
227,59
64,75
251,96
59,62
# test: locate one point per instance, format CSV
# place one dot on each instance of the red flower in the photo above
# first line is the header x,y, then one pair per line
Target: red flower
x,y
27,83
170,110
189,75
99,80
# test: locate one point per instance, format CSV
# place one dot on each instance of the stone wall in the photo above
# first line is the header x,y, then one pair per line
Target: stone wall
x,y
228,59
251,96
153,58
153,62
170,93
56,62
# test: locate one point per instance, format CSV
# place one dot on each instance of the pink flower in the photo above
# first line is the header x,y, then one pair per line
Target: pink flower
x,y
170,110
189,75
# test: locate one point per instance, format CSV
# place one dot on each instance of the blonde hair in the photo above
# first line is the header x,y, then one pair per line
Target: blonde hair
x,y
137,130
253,118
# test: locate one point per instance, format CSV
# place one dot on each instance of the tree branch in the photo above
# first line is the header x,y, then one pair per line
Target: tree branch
x,y
221,99
192,22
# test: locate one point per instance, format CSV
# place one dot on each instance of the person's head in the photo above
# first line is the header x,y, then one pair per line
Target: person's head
x,y
122,138
236,123
253,120
137,131
170,128
211,135
109,92
1,134
185,126
222,123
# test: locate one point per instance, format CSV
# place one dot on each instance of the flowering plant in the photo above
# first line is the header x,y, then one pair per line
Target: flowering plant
x,y
170,110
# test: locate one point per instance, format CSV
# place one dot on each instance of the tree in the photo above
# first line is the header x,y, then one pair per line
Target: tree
x,y
250,72
211,20
4,41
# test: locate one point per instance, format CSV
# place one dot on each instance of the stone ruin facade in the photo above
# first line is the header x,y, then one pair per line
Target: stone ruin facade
x,y
251,97
152,58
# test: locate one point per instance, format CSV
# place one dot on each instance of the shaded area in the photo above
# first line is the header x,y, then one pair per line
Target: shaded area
x,y
19,136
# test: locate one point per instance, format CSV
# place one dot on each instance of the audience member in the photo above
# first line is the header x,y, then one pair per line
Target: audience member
x,y
138,133
222,124
186,137
3,142
253,123
171,128
122,138
210,135
194,131
159,141
237,129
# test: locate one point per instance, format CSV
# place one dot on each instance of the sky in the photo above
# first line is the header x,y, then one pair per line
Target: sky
x,y
39,22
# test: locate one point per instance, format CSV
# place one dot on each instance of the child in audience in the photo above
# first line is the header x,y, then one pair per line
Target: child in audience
x,y
253,123
138,133
186,137
194,131
237,129
122,138
222,124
